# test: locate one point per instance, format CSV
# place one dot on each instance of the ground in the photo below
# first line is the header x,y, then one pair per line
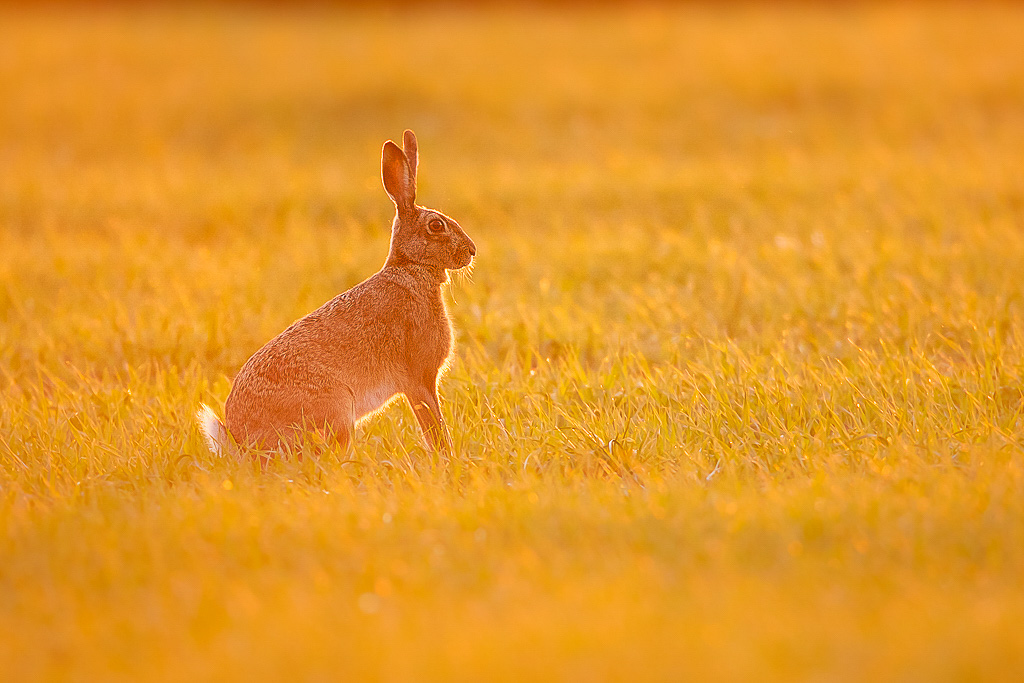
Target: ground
x,y
740,373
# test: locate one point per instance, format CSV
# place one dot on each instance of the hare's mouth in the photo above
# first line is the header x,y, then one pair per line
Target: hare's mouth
x,y
463,261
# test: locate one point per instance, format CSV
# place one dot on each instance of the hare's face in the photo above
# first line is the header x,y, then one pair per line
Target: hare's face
x,y
429,237
419,235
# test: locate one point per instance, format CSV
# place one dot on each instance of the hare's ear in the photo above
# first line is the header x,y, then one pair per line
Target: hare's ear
x,y
398,177
411,151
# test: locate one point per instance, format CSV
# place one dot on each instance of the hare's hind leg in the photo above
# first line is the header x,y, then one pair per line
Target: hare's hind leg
x,y
427,408
319,422
333,416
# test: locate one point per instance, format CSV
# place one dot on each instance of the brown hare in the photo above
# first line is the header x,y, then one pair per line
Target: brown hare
x,y
388,335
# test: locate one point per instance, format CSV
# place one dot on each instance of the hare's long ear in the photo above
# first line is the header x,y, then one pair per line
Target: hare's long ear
x,y
398,176
411,151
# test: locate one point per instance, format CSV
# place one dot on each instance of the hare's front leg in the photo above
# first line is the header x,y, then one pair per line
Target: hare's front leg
x,y
427,408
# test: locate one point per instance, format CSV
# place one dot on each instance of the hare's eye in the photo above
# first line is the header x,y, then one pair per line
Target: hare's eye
x,y
436,226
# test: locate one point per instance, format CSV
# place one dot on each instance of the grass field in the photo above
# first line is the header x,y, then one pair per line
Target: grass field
x,y
740,376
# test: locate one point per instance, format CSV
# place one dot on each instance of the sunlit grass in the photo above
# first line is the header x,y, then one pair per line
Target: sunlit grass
x,y
740,376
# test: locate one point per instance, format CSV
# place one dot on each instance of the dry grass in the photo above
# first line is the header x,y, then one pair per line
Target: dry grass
x,y
739,385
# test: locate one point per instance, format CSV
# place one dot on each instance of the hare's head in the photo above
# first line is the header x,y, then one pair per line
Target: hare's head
x,y
419,235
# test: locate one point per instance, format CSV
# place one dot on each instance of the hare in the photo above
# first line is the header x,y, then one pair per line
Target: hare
x,y
391,334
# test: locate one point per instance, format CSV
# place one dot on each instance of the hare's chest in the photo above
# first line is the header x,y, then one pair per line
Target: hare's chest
x,y
439,343
431,343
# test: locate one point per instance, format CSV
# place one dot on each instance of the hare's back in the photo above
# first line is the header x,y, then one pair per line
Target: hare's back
x,y
347,340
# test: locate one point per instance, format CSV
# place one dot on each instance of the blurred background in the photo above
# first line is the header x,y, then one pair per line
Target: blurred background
x,y
230,116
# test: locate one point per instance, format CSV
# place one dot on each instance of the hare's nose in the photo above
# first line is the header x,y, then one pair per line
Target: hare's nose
x,y
472,248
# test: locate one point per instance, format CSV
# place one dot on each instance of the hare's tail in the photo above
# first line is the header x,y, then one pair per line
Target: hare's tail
x,y
216,433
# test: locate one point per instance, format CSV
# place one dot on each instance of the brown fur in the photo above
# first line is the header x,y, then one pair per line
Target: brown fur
x,y
391,334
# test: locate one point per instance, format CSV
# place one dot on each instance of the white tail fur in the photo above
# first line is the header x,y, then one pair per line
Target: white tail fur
x,y
216,433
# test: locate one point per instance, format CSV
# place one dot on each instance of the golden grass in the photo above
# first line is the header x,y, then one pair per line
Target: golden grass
x,y
739,385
